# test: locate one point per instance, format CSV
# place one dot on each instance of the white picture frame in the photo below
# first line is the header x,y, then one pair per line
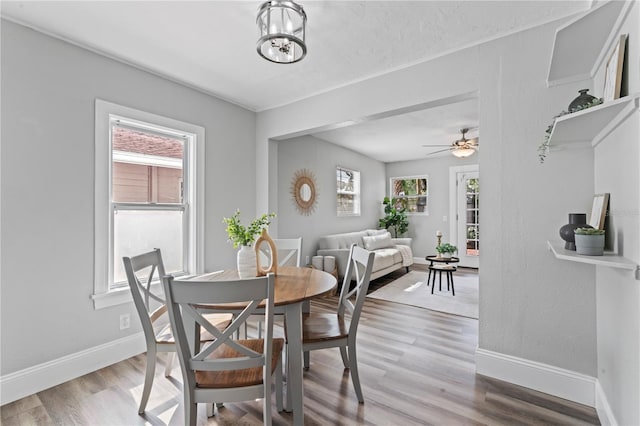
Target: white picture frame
x,y
613,71
599,210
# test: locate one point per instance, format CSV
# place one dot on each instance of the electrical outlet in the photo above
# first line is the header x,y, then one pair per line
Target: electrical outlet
x,y
125,321
306,260
444,218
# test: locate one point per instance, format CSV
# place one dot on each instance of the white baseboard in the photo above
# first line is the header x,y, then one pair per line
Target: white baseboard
x,y
545,378
43,376
603,408
420,260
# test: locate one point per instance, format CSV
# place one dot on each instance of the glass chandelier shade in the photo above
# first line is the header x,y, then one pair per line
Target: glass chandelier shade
x,y
463,152
282,26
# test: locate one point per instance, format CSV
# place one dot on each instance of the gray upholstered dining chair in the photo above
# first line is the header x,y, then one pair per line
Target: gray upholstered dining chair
x,y
225,369
149,300
330,330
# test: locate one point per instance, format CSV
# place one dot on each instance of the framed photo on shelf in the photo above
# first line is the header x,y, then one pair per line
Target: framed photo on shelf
x,y
599,210
613,71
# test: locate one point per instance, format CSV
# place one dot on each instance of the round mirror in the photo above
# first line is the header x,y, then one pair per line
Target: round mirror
x,y
303,191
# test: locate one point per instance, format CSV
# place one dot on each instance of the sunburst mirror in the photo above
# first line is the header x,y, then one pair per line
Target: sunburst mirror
x,y
303,191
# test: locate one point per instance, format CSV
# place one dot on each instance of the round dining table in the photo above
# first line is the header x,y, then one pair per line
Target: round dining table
x,y
293,286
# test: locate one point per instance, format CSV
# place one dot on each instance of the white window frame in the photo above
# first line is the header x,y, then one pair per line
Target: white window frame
x,y
356,193
103,294
391,194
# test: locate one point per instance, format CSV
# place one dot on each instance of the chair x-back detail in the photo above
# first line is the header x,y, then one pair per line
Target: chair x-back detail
x,y
225,369
329,330
155,324
289,254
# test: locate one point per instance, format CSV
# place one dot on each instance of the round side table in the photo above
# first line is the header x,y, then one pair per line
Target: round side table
x,y
434,259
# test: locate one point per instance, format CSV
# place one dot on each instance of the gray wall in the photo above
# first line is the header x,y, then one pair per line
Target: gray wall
x,y
423,228
321,158
617,292
48,93
526,294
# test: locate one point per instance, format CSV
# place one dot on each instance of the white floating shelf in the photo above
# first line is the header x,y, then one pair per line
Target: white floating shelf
x,y
610,260
591,125
580,46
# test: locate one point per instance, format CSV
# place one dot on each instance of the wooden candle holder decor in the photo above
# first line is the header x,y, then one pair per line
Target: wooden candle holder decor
x,y
273,264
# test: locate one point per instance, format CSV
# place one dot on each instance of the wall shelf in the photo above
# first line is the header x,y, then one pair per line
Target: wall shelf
x,y
609,259
591,126
580,46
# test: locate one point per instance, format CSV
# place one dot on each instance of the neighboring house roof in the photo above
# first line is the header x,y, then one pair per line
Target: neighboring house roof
x,y
146,143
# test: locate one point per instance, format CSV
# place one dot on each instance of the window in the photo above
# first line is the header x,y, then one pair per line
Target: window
x,y
148,195
348,192
413,191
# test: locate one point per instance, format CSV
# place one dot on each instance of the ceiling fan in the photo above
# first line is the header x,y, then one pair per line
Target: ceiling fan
x,y
461,148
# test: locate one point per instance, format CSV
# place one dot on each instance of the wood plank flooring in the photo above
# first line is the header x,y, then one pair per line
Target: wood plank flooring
x,y
416,368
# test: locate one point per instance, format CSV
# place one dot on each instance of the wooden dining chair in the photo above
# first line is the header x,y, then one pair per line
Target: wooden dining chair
x,y
149,300
330,330
225,369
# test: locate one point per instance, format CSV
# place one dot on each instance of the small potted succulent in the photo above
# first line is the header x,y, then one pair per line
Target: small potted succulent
x,y
446,250
589,241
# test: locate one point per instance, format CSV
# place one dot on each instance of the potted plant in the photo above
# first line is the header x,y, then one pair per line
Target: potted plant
x,y
395,216
589,241
243,237
446,250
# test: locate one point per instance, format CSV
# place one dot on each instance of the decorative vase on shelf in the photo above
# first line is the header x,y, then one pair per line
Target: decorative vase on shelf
x,y
576,220
247,262
582,100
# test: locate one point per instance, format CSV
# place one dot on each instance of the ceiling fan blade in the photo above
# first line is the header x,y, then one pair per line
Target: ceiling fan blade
x,y
431,146
441,150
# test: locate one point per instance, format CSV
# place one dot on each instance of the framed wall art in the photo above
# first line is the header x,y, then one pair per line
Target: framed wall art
x,y
599,210
613,71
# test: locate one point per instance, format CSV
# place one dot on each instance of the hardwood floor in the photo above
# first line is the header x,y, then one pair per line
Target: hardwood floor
x,y
416,368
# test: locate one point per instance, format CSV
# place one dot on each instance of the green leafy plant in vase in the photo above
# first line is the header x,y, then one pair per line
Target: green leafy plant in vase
x,y
446,250
244,237
395,216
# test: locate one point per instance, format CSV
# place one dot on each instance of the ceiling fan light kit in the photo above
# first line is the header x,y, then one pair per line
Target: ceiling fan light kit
x,y
282,26
463,152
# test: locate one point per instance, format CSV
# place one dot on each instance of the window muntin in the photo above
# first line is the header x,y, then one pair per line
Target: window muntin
x,y
413,191
348,192
166,195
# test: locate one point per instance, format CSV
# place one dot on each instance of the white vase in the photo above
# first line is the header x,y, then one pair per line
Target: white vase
x,y
247,262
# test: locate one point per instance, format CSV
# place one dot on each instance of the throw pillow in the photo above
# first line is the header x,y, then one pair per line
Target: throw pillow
x,y
376,242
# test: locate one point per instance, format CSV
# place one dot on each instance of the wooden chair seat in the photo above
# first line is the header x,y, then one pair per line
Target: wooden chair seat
x,y
320,327
221,321
238,378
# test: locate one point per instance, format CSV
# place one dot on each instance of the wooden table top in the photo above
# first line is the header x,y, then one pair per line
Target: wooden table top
x,y
435,258
292,284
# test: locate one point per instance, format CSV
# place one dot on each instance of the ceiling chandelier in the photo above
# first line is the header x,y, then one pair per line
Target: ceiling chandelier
x,y
282,26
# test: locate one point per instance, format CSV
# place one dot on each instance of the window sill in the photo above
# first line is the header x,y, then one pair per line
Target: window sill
x,y
116,297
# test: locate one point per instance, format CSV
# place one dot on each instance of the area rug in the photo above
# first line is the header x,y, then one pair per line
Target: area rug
x,y
411,289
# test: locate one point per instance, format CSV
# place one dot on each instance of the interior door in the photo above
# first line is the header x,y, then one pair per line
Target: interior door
x,y
468,218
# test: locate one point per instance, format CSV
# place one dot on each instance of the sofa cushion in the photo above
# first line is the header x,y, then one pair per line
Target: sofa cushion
x,y
385,258
376,242
371,232
341,241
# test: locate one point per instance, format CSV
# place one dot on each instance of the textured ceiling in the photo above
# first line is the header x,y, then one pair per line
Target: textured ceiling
x,y
210,46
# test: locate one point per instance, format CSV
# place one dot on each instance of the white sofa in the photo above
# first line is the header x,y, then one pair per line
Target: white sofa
x,y
390,253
